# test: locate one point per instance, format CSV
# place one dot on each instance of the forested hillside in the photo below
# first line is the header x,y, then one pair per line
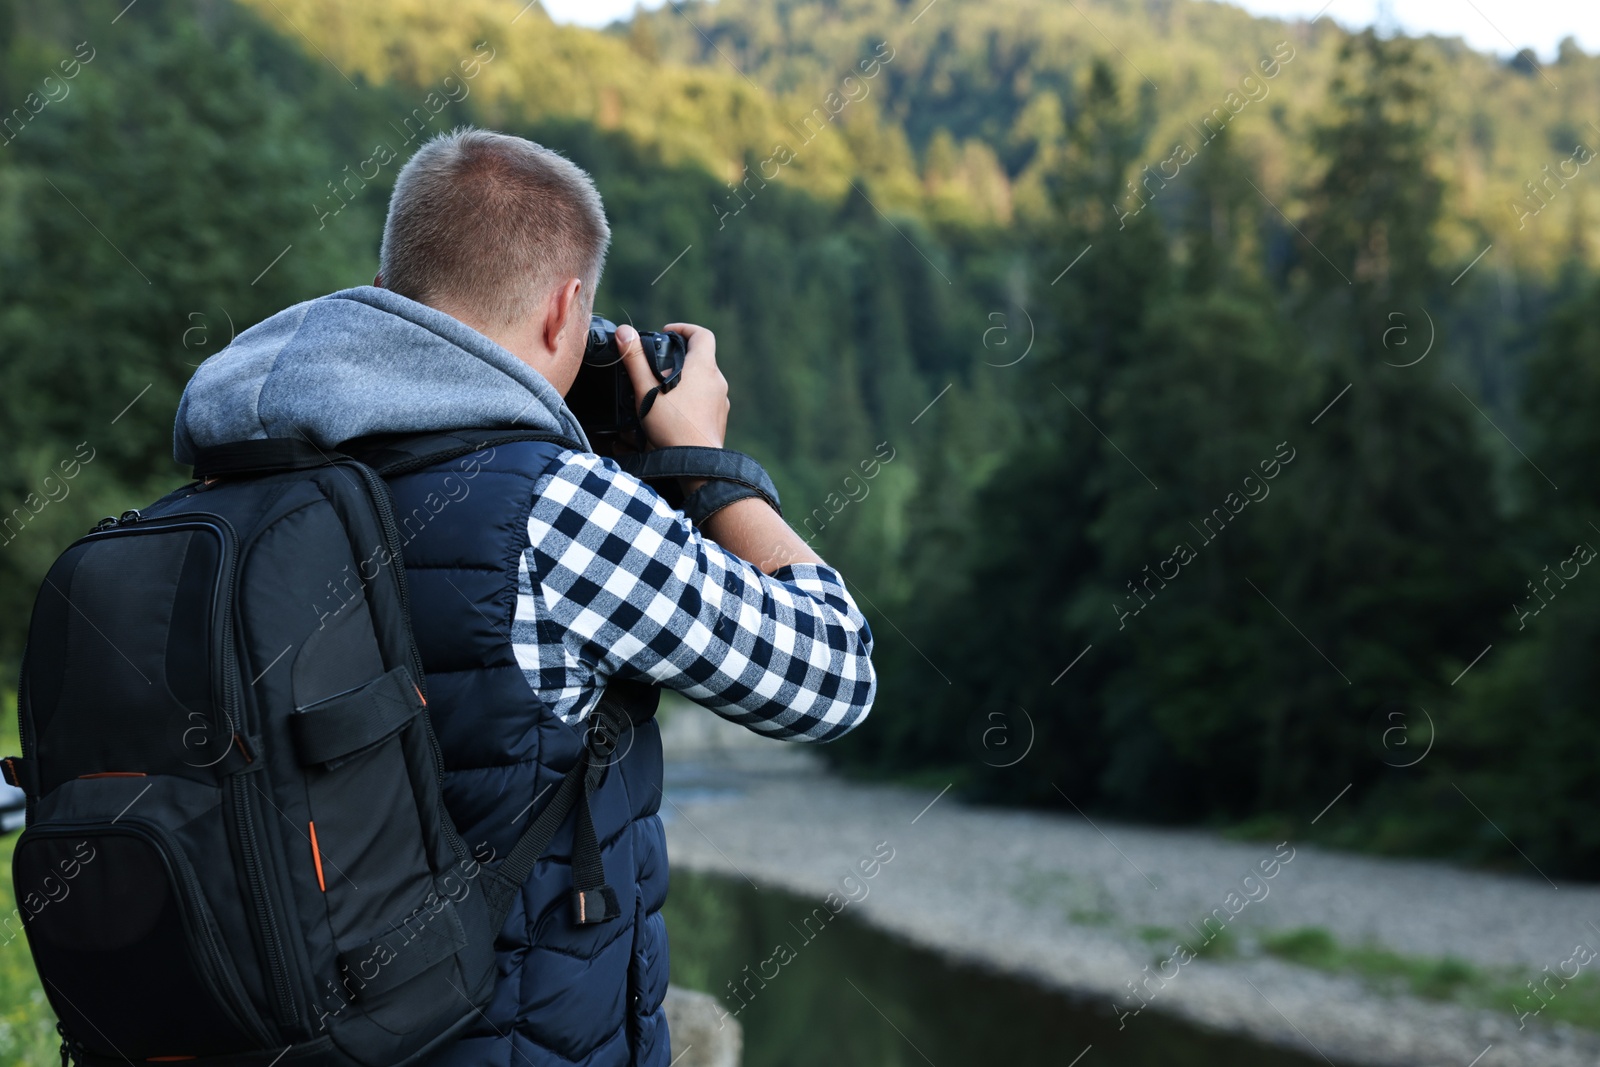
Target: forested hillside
x,y
1208,466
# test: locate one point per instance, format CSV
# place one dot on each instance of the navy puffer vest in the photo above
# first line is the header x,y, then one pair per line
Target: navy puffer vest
x,y
567,994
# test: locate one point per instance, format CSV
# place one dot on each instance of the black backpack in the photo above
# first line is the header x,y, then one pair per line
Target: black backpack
x,y
236,851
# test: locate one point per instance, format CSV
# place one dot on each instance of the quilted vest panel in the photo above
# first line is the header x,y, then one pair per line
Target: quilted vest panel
x,y
567,994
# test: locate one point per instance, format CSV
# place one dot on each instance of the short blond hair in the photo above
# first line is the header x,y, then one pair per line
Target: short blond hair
x,y
488,224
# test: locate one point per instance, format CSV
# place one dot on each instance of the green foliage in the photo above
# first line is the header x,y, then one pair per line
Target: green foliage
x,y
1575,1001
980,264
1182,398
1077,361
27,1025
1156,935
1441,979
1216,943
1309,946
1010,76
1525,730
138,209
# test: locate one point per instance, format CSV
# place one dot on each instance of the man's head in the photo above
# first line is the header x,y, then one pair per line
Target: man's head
x,y
505,235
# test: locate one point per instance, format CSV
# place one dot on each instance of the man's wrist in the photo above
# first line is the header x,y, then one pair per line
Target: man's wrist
x,y
754,532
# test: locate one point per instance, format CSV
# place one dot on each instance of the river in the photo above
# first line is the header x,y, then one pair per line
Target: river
x,y
999,936
844,994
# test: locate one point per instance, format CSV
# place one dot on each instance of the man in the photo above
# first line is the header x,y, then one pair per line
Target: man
x,y
553,571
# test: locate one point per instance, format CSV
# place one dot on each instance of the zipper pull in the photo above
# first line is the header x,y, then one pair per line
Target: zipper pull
x,y
104,524
130,516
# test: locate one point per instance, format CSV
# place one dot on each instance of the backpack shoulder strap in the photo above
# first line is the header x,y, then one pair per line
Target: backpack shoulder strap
x,y
389,454
264,456
401,453
624,705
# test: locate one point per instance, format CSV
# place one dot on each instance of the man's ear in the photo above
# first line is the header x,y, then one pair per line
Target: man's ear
x,y
377,280
562,307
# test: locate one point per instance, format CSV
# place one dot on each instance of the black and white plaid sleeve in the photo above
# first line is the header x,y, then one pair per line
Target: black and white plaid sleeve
x,y
615,582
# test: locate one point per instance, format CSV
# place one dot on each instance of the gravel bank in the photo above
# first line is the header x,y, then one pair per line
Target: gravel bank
x,y
1062,901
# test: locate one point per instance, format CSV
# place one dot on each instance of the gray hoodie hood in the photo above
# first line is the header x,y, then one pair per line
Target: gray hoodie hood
x,y
357,362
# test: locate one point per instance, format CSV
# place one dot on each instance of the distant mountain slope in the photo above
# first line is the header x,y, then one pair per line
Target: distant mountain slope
x,y
1009,75
686,112
967,105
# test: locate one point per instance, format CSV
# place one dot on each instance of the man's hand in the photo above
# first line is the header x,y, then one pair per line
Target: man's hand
x,y
696,411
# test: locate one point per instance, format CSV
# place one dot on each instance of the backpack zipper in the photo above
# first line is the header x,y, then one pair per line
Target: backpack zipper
x,y
244,807
266,917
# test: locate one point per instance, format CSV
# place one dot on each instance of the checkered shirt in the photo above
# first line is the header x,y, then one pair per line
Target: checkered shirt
x,y
616,583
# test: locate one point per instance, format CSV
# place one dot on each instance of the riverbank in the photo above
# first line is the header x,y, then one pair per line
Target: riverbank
x,y
1110,912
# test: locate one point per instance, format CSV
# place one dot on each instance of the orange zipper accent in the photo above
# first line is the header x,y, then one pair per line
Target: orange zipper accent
x,y
115,774
316,856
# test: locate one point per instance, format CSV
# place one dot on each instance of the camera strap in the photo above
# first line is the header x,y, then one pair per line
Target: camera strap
x,y
649,400
730,476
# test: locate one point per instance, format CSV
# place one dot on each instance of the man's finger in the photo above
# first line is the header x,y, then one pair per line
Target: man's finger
x,y
697,336
638,368
701,342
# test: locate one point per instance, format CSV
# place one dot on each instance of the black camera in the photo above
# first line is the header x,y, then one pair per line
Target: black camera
x,y
602,395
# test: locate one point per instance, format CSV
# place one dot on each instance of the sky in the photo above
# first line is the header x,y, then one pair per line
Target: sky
x,y
1499,26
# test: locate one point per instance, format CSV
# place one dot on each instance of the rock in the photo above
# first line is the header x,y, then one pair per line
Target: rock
x,y
703,1033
